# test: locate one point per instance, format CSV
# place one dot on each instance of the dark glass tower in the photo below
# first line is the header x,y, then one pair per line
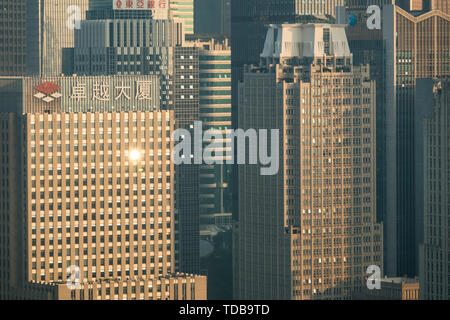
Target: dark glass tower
x,y
249,20
212,17
187,187
248,31
367,47
12,37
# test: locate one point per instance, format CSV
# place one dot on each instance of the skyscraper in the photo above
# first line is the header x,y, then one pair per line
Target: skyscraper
x,y
249,20
187,111
50,28
93,194
13,40
215,113
397,288
80,94
432,196
308,232
416,47
183,10
127,9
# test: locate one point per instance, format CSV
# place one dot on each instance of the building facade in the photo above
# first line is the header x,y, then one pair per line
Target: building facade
x,y
212,17
441,5
433,188
12,35
310,231
310,7
424,5
183,10
186,101
127,47
416,47
129,9
392,289
80,94
367,46
62,218
249,20
98,204
128,43
10,275
169,287
89,193
50,28
215,114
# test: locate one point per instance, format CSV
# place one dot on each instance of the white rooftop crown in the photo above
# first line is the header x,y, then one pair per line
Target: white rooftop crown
x,y
305,40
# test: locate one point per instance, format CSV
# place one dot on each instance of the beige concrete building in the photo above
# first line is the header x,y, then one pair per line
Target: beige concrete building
x,y
87,203
98,186
308,232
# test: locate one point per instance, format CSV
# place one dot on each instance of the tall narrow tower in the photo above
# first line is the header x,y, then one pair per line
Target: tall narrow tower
x,y
308,232
416,47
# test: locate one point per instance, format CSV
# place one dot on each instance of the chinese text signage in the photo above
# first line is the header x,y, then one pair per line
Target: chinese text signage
x,y
159,8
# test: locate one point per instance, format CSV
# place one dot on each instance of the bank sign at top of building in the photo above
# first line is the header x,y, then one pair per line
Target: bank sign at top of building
x,y
160,8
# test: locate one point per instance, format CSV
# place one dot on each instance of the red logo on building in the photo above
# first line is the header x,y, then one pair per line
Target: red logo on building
x,y
47,91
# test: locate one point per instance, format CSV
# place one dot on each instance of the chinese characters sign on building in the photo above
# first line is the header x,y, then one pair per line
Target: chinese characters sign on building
x,y
101,91
94,93
160,8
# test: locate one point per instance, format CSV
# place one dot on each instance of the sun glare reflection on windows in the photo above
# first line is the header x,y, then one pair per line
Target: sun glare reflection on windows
x,y
134,155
